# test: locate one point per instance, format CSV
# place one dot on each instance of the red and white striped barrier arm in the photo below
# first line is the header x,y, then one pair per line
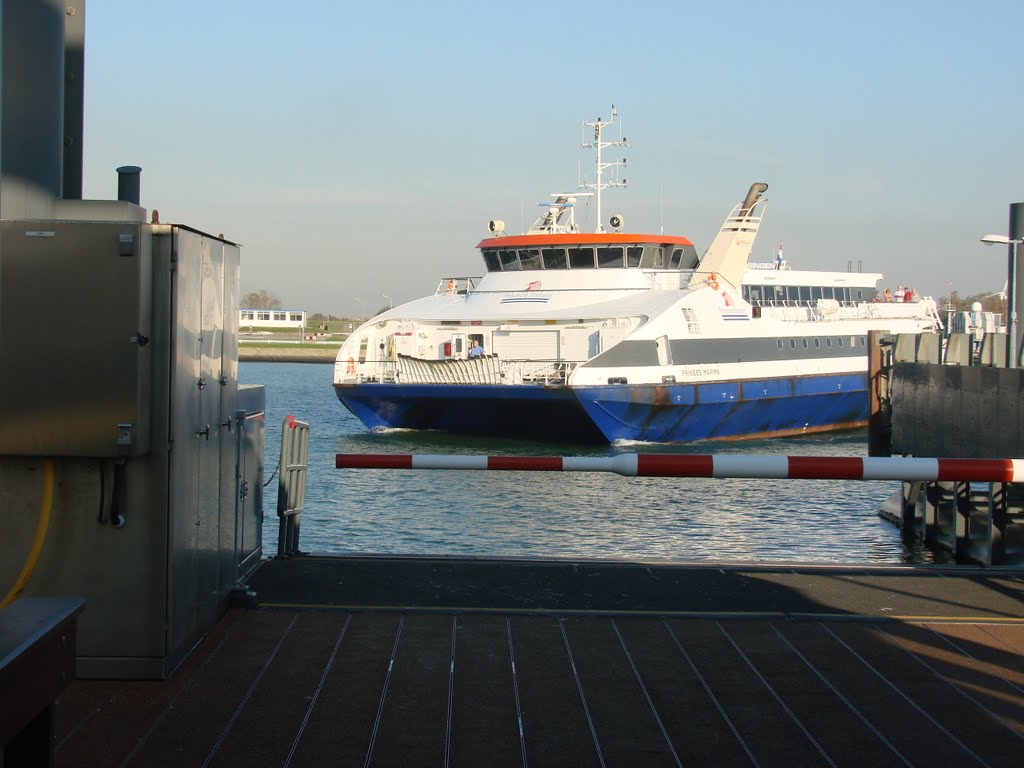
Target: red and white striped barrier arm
x,y
712,465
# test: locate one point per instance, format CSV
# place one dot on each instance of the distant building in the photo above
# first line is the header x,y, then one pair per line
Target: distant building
x,y
272,318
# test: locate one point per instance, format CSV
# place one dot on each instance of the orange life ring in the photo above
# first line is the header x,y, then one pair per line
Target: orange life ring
x,y
452,285
351,365
712,282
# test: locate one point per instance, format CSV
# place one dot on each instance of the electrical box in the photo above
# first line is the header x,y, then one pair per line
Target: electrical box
x,y
75,331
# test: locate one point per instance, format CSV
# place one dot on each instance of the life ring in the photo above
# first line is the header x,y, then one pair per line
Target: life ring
x,y
452,285
351,365
712,282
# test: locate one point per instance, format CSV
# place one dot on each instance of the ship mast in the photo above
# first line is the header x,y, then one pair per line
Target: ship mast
x,y
599,125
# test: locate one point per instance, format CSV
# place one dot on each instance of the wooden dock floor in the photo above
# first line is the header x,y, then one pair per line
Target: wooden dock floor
x,y
379,661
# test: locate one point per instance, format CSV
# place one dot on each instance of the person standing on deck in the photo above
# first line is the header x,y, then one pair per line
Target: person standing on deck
x,y
476,350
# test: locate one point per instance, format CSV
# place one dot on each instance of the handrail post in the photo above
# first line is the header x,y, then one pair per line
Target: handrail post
x,y
291,486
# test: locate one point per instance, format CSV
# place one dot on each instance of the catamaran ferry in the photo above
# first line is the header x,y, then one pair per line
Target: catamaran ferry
x,y
574,336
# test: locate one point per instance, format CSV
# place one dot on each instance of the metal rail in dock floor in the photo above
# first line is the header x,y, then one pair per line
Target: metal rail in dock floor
x,y
433,661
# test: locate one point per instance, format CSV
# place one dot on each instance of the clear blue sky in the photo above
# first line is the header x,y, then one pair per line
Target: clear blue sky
x,y
358,149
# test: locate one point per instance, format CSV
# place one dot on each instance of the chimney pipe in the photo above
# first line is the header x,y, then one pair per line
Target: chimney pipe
x,y
128,183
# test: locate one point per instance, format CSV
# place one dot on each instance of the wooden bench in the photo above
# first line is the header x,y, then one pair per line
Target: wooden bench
x,y
37,661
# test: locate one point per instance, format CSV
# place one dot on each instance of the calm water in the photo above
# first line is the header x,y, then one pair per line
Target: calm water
x,y
539,514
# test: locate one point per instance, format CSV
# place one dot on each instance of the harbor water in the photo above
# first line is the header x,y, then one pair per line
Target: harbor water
x,y
562,515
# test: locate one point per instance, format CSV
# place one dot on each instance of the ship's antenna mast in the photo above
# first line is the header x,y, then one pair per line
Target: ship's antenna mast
x,y
598,126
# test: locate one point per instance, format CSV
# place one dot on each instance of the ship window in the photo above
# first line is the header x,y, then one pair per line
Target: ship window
x,y
745,292
609,256
652,258
677,257
861,340
815,293
793,295
529,258
792,343
805,294
817,343
778,343
491,261
554,258
828,342
633,255
826,292
804,342
840,340
690,258
664,350
581,258
509,261
755,295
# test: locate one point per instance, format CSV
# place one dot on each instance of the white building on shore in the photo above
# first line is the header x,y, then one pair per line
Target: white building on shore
x,y
272,318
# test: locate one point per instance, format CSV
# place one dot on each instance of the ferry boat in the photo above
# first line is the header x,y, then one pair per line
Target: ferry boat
x,y
605,336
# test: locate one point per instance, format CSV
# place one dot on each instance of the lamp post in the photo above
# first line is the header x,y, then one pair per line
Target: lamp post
x,y
360,307
1011,293
384,295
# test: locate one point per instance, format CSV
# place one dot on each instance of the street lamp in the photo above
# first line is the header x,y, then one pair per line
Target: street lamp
x,y
1011,293
360,307
384,295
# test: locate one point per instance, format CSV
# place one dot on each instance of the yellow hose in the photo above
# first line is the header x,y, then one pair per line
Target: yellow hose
x,y
37,546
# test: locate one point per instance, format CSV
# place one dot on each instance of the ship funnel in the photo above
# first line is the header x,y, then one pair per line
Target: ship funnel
x,y
753,195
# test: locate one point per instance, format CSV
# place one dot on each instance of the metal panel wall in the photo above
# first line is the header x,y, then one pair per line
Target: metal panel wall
x,y
74,339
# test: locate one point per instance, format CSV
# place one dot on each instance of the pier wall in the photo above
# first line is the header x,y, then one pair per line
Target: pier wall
x,y
955,411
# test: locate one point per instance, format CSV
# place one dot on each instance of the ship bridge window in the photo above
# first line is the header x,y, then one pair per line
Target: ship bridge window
x,y
554,258
608,256
690,258
815,293
677,258
826,292
776,293
752,293
509,261
529,258
633,255
581,258
653,257
491,261
805,293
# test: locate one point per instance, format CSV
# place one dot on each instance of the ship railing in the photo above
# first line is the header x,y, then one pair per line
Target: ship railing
x,y
407,369
486,369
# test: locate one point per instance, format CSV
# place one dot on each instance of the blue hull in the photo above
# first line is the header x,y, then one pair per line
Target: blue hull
x,y
728,410
550,414
666,413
